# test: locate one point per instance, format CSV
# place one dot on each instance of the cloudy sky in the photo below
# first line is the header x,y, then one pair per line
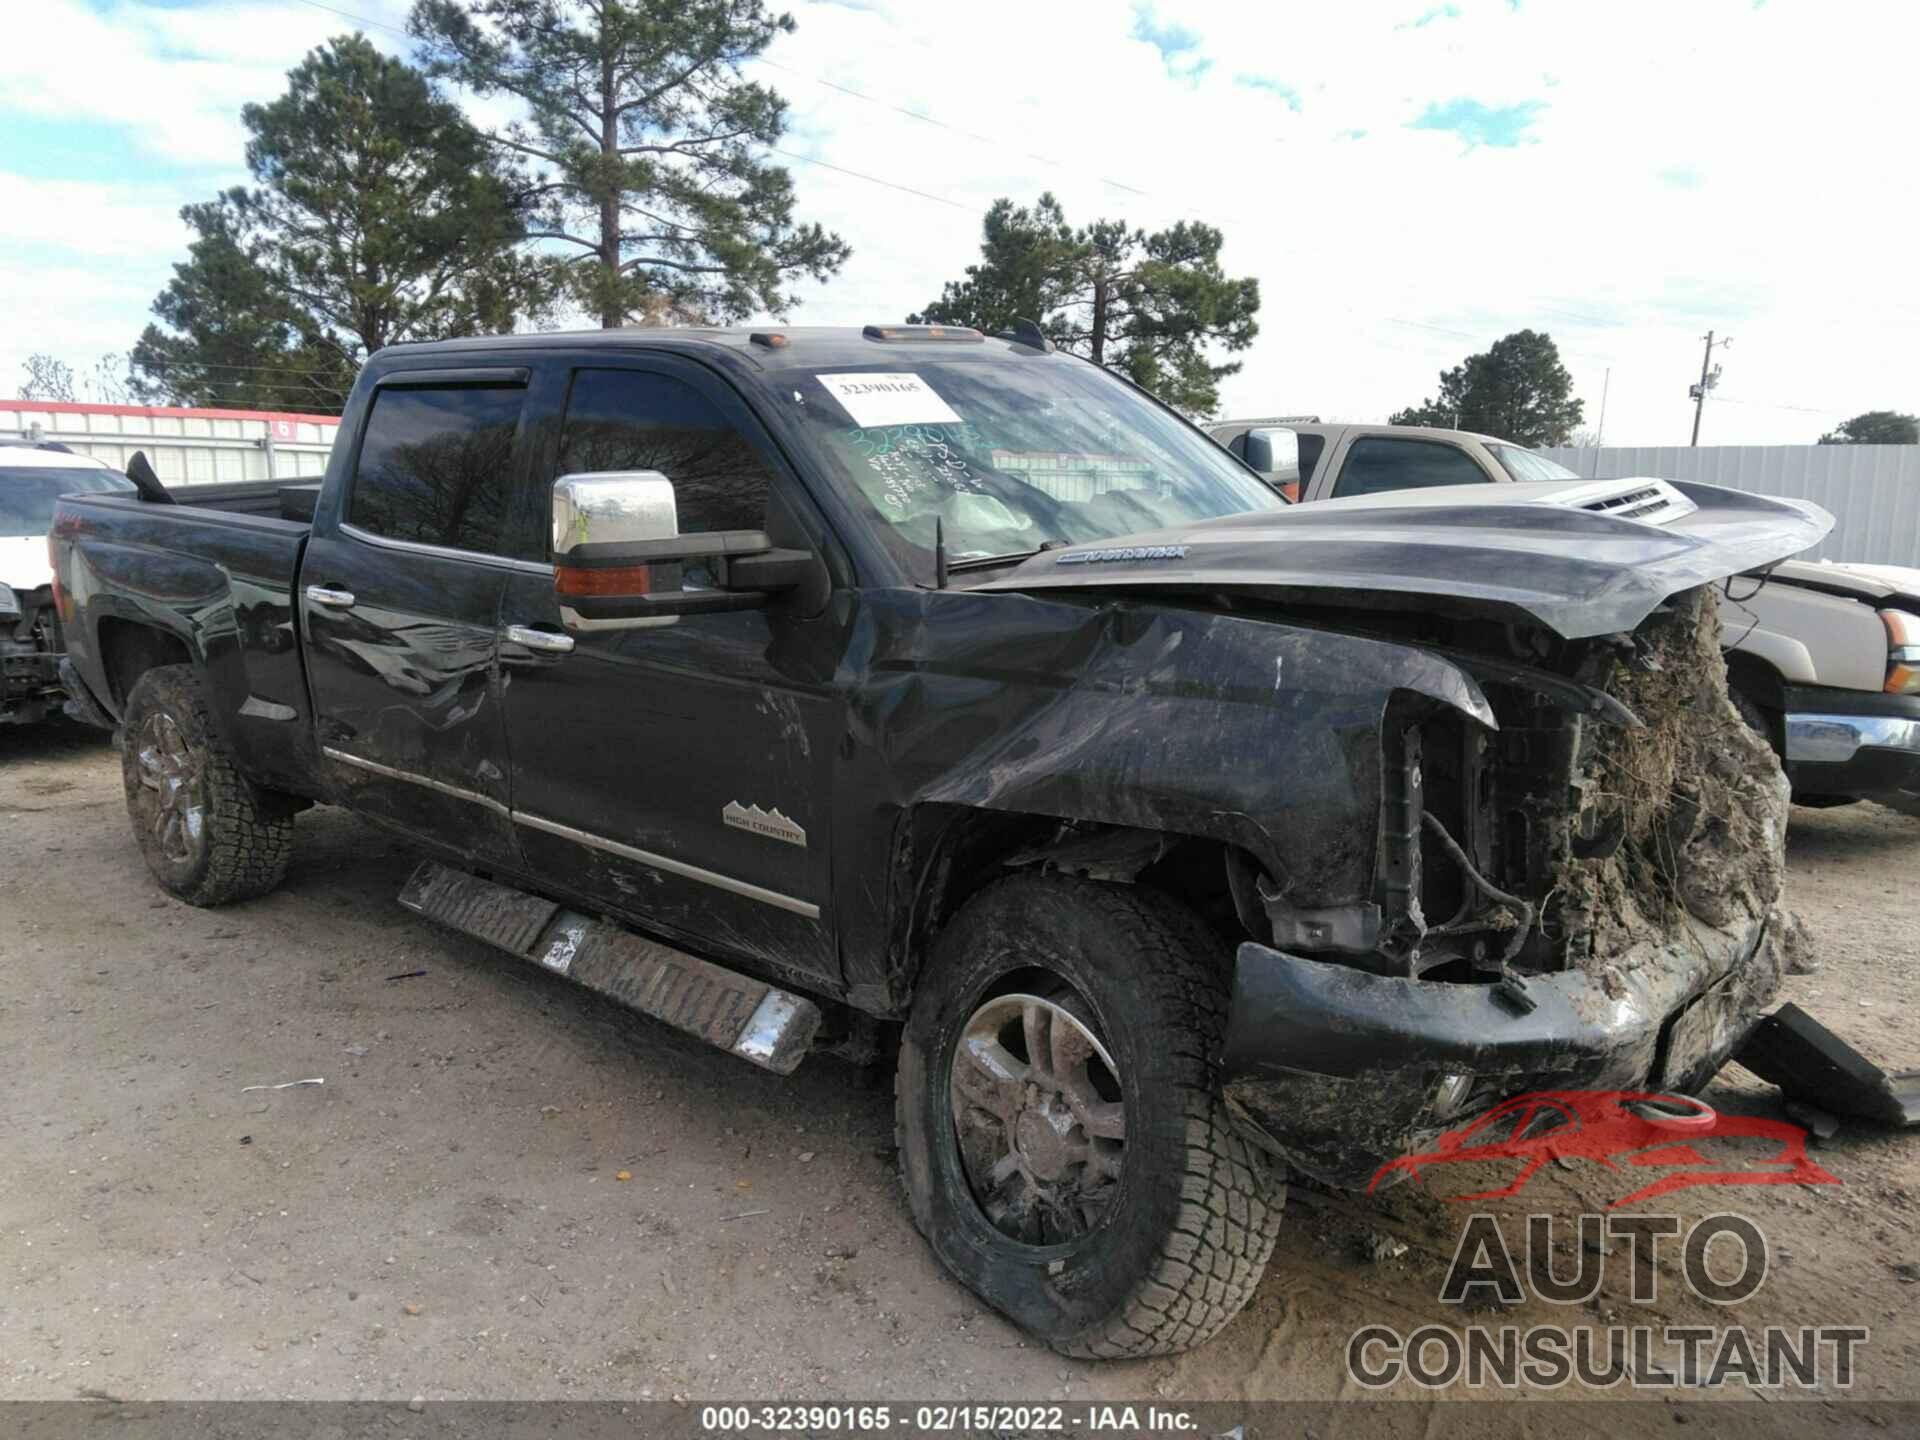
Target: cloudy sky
x,y
1408,180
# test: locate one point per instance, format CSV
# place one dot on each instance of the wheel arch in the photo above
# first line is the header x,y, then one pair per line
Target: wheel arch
x,y
945,853
130,648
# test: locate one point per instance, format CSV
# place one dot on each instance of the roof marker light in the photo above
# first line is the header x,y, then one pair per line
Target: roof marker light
x,y
923,332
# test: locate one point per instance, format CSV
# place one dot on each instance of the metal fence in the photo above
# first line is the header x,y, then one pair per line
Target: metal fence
x,y
1872,490
185,447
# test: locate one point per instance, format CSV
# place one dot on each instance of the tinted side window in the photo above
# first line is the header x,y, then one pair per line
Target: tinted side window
x,y
1310,448
1377,463
435,465
633,420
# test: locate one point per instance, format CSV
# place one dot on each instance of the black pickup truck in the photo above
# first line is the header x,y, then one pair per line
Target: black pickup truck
x,y
802,688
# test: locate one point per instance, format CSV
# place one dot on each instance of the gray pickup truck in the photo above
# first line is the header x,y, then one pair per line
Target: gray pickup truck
x,y
1825,658
811,689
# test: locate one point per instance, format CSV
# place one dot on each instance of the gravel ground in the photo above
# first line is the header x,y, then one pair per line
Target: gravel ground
x,y
446,1216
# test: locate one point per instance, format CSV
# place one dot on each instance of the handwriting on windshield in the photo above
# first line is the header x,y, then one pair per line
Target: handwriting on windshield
x,y
917,463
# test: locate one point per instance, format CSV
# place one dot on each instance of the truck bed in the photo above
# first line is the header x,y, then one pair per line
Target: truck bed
x,y
216,572
278,498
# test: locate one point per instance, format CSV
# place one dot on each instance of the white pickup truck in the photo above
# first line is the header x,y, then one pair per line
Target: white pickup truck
x,y
1823,659
32,477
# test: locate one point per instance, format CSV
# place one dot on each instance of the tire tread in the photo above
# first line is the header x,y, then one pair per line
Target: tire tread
x,y
1208,1265
250,845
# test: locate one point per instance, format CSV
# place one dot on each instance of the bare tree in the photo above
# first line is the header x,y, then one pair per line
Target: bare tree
x,y
47,379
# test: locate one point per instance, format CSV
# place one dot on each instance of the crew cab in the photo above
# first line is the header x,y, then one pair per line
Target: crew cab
x,y
1314,461
810,688
33,475
1825,658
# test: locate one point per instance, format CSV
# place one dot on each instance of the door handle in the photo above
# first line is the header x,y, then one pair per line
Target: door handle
x,y
547,642
325,595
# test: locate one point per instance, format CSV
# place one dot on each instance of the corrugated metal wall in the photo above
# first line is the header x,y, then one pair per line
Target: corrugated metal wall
x,y
1872,490
185,447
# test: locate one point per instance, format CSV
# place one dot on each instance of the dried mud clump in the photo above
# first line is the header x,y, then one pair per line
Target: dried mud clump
x,y
1691,809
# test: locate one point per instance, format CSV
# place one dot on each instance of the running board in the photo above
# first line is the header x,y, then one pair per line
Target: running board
x,y
770,1027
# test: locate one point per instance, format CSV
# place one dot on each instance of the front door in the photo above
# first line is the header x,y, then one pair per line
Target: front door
x,y
679,774
400,601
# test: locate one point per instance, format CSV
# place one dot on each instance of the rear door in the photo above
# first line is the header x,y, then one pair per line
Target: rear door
x,y
679,774
400,596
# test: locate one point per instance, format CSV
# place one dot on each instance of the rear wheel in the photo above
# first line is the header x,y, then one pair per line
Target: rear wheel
x,y
209,834
1063,1144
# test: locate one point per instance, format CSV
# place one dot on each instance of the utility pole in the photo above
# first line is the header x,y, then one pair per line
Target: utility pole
x,y
1600,431
1709,373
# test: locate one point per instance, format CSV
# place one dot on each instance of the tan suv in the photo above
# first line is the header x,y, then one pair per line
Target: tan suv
x,y
1824,659
1314,461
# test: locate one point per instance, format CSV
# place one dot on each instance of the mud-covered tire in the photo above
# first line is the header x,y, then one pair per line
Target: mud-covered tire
x,y
239,838
1196,1210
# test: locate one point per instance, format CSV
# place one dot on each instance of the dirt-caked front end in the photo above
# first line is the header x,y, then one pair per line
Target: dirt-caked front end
x,y
1587,897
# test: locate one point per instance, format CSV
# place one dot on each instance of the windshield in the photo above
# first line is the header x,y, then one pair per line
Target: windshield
x,y
27,493
1011,457
1525,465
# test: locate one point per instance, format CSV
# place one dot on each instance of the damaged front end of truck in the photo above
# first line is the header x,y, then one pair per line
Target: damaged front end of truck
x,y
1576,885
1582,899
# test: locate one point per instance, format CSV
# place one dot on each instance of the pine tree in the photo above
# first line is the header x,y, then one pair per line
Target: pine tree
x,y
377,215
1145,305
643,140
1517,390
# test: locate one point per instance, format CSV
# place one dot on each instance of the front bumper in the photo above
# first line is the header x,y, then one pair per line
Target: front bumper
x,y
1851,742
29,683
1340,1071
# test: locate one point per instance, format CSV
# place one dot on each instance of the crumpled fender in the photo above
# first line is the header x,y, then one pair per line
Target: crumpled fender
x,y
1258,734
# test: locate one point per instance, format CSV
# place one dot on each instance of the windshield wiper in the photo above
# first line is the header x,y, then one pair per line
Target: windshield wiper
x,y
982,562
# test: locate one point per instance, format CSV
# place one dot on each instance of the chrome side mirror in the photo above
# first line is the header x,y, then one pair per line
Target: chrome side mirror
x,y
1271,450
618,556
612,507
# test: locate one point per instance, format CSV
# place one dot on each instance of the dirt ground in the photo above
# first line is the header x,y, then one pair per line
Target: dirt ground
x,y
445,1217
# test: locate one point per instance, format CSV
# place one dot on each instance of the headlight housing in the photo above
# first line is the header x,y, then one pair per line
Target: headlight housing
x,y
1903,651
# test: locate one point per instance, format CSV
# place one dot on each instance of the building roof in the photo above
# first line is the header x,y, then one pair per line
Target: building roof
x,y
163,412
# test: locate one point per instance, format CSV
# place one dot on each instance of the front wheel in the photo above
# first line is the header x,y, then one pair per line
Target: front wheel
x,y
1063,1144
209,834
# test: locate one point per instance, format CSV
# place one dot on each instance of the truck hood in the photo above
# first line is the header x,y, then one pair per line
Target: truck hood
x,y
1578,557
1876,585
23,562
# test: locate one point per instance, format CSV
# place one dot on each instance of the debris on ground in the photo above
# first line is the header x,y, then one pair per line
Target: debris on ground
x,y
284,1085
1381,1247
1815,1067
1816,1120
1795,942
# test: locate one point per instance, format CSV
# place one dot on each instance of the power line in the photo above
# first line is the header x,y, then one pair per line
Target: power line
x,y
1779,405
925,119
871,179
210,365
349,15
